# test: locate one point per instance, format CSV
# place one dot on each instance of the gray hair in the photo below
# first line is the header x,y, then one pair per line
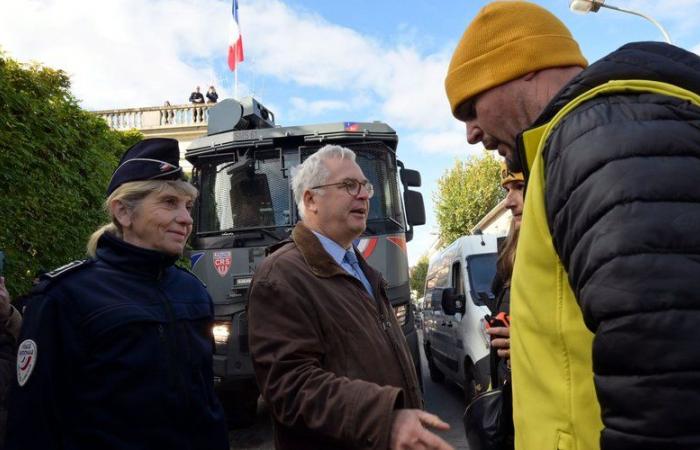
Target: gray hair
x,y
313,172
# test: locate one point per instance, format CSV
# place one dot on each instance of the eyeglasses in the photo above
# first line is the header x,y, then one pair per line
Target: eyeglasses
x,y
352,186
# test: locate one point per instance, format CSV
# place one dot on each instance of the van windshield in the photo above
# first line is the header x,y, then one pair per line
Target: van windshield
x,y
481,270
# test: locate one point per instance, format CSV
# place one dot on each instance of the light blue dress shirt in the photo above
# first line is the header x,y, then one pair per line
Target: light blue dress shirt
x,y
338,254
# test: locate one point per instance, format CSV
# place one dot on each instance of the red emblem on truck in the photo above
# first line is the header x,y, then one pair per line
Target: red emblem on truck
x,y
222,262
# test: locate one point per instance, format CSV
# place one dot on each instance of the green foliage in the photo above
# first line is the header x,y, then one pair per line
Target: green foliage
x,y
465,194
418,274
56,162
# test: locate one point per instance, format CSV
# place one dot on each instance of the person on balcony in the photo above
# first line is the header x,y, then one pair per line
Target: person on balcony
x,y
197,98
212,96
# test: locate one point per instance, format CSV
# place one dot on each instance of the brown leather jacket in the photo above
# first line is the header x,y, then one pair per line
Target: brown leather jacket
x,y
331,361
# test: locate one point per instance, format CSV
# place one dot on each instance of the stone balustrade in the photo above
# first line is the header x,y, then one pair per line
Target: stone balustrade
x,y
155,117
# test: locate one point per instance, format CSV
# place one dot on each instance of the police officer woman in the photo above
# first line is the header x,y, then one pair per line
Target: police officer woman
x,y
116,350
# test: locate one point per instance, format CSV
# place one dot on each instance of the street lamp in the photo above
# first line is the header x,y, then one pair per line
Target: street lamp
x,y
586,6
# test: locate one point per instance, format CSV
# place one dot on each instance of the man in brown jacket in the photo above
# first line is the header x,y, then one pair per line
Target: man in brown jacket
x,y
329,355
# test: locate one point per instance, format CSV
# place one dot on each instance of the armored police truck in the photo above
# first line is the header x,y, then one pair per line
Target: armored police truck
x,y
242,168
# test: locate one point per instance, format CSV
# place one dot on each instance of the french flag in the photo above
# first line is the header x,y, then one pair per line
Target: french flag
x,y
235,49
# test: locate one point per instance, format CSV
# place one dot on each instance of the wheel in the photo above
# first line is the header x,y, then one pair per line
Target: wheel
x,y
435,374
470,390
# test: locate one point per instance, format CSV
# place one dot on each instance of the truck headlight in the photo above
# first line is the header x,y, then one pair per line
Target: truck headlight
x,y
221,331
400,312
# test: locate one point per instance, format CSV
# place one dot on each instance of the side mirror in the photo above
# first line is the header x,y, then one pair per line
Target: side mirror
x,y
415,209
452,302
410,178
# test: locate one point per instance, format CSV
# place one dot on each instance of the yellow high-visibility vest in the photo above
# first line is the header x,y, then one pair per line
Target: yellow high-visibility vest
x,y
554,400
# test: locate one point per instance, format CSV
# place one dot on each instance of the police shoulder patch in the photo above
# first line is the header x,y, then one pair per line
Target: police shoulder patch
x,y
49,277
71,266
26,360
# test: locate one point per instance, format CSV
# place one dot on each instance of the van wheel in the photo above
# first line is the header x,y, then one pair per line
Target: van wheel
x,y
469,383
435,374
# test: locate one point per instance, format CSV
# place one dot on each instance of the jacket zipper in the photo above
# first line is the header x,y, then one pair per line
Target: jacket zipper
x,y
172,345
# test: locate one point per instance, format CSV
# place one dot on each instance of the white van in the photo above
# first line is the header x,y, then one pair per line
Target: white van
x,y
457,290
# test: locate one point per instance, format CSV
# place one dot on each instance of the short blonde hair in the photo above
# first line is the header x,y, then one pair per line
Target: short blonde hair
x,y
131,194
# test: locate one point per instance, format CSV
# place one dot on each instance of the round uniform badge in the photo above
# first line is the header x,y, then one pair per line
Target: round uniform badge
x,y
26,360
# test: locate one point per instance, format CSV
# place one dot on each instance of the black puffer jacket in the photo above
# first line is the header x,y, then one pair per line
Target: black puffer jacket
x,y
623,206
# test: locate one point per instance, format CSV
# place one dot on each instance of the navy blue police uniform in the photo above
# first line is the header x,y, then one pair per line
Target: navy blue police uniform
x,y
116,351
120,349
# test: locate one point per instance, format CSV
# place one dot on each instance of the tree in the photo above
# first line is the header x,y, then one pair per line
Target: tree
x,y
56,162
418,274
465,194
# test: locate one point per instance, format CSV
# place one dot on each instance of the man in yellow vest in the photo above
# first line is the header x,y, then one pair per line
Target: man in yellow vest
x,y
605,301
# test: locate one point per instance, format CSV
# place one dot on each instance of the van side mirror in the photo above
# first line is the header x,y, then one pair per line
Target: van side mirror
x,y
452,302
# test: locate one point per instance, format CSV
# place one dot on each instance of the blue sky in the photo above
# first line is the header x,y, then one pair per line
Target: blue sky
x,y
309,61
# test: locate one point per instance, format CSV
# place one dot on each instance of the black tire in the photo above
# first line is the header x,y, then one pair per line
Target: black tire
x,y
435,374
470,391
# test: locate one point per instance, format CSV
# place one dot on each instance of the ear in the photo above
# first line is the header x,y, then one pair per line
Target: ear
x,y
121,213
310,202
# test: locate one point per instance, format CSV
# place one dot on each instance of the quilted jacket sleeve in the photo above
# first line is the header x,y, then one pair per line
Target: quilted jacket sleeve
x,y
623,206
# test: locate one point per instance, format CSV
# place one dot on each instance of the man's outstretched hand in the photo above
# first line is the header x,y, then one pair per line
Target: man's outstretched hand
x,y
409,431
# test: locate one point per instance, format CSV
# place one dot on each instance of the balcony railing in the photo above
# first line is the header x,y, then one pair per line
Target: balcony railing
x,y
156,117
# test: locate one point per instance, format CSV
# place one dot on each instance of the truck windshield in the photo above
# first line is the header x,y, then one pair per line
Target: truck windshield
x,y
481,269
254,192
248,193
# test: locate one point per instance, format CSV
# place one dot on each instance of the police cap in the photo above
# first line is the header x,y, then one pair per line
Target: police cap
x,y
150,159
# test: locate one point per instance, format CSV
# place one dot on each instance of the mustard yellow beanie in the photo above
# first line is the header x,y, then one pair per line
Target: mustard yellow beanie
x,y
506,40
508,176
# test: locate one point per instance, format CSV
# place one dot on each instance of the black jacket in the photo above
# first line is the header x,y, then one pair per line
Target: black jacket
x,y
623,207
116,353
196,97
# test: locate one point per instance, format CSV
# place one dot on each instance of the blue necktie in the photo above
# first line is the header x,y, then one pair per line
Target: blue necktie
x,y
351,259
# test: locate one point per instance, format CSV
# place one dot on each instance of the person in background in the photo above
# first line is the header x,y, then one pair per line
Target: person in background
x,y
499,320
604,290
330,358
513,183
196,98
116,350
212,96
10,323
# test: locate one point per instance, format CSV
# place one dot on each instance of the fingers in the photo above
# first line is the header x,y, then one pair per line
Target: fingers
x,y
504,354
410,432
433,442
500,344
498,331
432,421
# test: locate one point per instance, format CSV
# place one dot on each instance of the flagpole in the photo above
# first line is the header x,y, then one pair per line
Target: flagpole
x,y
235,83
